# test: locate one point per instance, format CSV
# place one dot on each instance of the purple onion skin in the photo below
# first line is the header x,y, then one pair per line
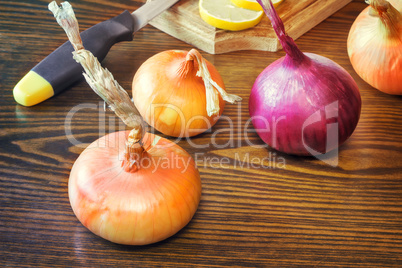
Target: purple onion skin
x,y
285,99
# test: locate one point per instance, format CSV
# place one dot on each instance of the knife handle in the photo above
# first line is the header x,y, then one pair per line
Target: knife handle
x,y
59,70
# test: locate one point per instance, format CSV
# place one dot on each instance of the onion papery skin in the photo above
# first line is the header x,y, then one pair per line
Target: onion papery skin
x,y
134,208
375,58
288,93
171,98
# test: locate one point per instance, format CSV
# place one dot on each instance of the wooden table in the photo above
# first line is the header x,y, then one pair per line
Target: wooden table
x,y
304,213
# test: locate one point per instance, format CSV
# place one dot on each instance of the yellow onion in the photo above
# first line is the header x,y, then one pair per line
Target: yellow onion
x,y
180,93
375,45
294,97
143,204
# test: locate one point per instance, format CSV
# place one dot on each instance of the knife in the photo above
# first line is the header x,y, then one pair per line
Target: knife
x,y
59,70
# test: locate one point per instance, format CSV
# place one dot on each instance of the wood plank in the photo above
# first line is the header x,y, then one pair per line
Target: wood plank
x,y
184,22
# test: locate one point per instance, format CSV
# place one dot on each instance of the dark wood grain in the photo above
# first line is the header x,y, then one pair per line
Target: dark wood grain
x,y
304,213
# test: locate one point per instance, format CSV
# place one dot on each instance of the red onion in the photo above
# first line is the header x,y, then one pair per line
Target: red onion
x,y
303,103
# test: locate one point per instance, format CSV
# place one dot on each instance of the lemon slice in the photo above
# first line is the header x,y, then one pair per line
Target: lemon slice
x,y
252,4
223,14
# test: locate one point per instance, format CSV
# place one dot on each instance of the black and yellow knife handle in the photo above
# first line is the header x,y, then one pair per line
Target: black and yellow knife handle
x,y
59,70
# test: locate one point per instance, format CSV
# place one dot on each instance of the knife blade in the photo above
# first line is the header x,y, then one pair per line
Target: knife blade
x,y
58,71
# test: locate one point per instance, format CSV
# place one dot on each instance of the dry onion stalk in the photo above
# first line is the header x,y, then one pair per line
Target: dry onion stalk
x,y
127,187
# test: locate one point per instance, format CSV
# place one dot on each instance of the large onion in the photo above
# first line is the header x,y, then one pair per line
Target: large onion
x,y
180,93
136,206
303,103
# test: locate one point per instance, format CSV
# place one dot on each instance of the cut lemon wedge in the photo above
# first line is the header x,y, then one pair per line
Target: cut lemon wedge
x,y
223,14
252,4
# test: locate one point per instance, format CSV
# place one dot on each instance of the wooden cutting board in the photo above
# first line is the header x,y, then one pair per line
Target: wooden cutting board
x,y
299,16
